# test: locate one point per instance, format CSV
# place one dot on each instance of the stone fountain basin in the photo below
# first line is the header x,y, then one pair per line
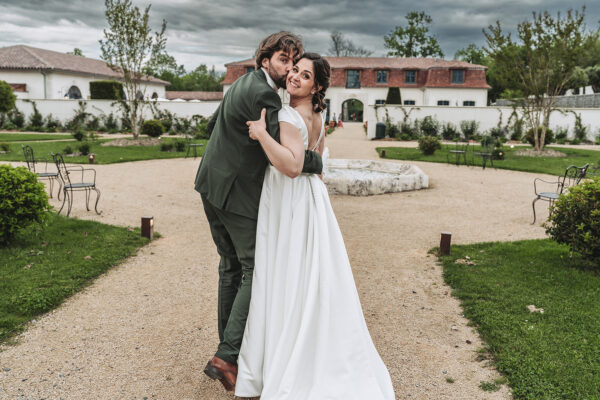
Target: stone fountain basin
x,y
366,177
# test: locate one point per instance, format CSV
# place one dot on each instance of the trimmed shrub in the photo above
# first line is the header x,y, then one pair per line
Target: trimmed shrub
x,y
5,147
180,146
36,120
429,144
408,131
17,118
450,132
93,123
393,96
51,123
84,149
430,126
575,220
152,128
79,134
469,129
23,201
106,90
580,130
68,150
548,139
166,146
7,97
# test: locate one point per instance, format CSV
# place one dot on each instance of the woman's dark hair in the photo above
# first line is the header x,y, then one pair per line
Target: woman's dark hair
x,y
322,74
279,41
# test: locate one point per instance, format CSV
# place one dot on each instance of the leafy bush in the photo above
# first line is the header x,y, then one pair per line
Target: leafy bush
x,y
516,130
7,97
469,129
106,90
575,220
110,122
68,150
84,149
449,131
36,120
51,123
391,129
180,146
166,146
560,134
79,119
5,147
580,130
408,131
23,201
152,128
429,144
17,118
430,126
79,134
93,123
548,139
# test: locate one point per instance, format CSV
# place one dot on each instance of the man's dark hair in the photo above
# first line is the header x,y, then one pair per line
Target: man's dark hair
x,y
283,40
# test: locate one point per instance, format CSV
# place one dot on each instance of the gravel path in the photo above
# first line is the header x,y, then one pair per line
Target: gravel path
x,y
146,328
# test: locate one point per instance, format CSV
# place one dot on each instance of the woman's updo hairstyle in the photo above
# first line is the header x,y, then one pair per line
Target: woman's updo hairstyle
x,y
322,74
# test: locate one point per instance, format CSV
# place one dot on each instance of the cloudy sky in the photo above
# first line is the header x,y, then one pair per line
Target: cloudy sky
x,y
215,32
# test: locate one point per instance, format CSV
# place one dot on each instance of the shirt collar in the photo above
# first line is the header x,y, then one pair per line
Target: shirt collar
x,y
270,80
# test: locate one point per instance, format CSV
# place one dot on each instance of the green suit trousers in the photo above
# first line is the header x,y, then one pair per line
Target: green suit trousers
x,y
235,238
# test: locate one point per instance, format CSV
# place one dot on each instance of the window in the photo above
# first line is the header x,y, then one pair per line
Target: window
x,y
443,103
381,101
409,102
74,93
458,76
410,76
352,79
468,103
155,95
382,76
250,69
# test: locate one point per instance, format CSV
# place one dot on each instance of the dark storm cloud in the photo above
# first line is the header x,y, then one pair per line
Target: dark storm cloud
x,y
214,33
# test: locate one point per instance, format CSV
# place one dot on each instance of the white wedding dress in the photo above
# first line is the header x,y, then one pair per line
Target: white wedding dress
x,y
306,336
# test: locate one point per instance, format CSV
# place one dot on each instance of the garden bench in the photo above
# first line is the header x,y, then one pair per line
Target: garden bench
x,y
69,187
572,176
51,176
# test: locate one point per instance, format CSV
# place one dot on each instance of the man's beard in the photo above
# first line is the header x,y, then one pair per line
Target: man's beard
x,y
279,80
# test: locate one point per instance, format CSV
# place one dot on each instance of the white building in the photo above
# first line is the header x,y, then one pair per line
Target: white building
x,y
357,82
43,74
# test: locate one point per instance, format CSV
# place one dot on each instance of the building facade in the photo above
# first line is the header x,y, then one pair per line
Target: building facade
x,y
43,74
357,82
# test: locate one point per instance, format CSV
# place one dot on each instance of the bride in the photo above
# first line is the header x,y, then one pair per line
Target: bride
x,y
306,336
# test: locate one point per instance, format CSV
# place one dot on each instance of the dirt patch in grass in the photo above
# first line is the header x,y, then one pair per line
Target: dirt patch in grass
x,y
129,142
544,153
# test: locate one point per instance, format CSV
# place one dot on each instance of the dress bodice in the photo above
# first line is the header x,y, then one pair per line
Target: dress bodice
x,y
290,115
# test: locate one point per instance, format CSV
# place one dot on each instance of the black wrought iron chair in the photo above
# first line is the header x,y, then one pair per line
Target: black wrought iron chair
x,y
51,176
69,187
572,176
191,145
487,153
458,152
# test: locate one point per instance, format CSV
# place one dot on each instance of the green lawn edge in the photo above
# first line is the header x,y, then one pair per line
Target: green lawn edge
x,y
554,355
544,165
41,269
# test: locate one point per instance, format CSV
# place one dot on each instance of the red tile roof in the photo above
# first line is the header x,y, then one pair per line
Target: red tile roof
x,y
383,63
204,96
30,58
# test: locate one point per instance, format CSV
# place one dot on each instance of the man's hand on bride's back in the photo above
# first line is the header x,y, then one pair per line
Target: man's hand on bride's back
x,y
258,128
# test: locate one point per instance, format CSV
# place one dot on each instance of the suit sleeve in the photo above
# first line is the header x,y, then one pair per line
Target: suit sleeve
x,y
313,164
213,120
271,101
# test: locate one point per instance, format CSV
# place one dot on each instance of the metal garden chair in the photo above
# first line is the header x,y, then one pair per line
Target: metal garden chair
x,y
69,187
572,176
51,176
487,153
190,145
458,152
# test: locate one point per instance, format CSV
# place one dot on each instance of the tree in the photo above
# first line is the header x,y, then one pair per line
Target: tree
x,y
7,97
578,79
342,47
593,74
471,54
413,40
76,52
540,64
131,47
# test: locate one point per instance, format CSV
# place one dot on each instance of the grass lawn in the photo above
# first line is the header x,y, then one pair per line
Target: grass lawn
x,y
545,165
24,137
104,154
554,355
38,271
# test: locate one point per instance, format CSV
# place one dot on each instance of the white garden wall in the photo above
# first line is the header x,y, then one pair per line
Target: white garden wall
x,y
64,110
487,117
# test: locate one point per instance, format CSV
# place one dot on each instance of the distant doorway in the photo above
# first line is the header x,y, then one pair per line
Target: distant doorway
x,y
352,111
74,93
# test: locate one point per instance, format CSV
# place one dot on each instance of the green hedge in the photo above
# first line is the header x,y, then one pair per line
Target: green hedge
x,y
393,96
106,90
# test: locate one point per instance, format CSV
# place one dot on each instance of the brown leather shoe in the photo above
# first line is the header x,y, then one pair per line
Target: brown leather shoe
x,y
222,370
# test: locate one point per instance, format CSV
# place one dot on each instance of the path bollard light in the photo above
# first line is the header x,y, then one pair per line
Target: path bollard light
x,y
92,157
382,153
445,243
148,227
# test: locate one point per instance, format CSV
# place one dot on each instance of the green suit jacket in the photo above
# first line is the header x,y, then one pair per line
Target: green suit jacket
x,y
232,169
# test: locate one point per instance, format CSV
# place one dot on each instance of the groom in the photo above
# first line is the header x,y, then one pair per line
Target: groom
x,y
230,179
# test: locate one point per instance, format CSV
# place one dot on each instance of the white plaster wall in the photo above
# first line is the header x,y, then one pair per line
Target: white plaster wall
x,y
487,117
337,96
455,96
415,94
64,109
33,79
